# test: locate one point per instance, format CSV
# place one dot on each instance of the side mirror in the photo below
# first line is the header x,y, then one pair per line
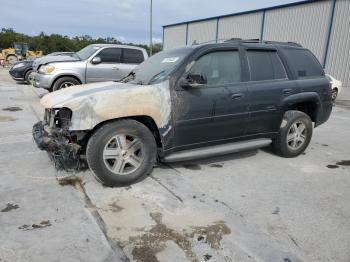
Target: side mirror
x,y
194,80
96,60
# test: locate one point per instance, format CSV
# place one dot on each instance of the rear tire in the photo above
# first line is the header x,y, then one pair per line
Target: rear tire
x,y
294,135
334,94
121,153
65,82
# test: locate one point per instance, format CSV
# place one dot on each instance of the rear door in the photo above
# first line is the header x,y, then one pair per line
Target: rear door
x,y
108,69
268,84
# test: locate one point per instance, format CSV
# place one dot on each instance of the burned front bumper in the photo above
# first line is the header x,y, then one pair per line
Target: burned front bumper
x,y
58,143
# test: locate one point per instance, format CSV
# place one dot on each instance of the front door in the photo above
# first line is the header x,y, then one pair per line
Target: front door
x,y
217,111
109,69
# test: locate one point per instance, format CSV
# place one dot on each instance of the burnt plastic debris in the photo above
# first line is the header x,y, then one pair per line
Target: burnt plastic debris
x,y
64,153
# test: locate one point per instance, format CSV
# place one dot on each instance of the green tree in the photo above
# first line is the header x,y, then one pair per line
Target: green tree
x,y
55,42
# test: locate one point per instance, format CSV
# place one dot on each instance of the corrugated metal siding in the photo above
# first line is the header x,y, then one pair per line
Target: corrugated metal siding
x,y
202,31
242,26
304,24
174,37
338,61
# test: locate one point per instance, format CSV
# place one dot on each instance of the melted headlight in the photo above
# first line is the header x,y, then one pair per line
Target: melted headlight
x,y
58,118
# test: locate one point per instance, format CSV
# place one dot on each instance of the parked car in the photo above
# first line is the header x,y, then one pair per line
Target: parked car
x,y
336,86
94,63
23,70
189,103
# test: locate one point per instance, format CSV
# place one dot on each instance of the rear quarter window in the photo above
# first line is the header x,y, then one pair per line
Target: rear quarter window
x,y
303,63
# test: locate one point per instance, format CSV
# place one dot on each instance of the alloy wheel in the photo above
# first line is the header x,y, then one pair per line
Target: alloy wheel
x,y
296,135
31,78
66,84
123,154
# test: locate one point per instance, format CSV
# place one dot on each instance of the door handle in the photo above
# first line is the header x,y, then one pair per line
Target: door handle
x,y
237,96
287,91
115,68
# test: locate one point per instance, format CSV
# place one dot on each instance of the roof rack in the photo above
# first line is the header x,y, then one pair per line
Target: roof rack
x,y
257,40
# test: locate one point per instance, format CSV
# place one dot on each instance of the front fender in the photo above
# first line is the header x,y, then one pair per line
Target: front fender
x,y
95,103
62,73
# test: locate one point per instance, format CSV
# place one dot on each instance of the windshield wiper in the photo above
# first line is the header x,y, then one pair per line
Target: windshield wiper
x,y
128,78
76,55
156,76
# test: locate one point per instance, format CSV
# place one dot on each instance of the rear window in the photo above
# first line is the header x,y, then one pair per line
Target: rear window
x,y
304,63
133,56
265,65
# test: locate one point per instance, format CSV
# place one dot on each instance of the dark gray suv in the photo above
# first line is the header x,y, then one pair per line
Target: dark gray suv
x,y
188,103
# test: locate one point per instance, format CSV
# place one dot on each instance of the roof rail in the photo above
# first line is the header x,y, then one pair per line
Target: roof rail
x,y
282,43
240,40
257,40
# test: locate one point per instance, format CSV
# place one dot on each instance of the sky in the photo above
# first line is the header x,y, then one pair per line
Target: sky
x,y
126,20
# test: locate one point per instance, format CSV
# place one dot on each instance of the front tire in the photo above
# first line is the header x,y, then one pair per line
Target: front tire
x,y
28,78
121,153
65,82
294,135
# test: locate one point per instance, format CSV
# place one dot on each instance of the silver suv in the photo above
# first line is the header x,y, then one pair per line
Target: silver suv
x,y
94,63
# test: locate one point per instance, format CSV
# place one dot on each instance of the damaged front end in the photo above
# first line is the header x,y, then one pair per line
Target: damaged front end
x,y
53,136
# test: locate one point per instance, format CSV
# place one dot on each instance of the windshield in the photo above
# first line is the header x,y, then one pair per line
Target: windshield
x,y
86,52
158,67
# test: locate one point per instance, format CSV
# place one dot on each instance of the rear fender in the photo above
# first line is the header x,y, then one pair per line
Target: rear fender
x,y
289,102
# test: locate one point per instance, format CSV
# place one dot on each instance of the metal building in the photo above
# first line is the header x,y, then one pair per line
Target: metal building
x,y
322,26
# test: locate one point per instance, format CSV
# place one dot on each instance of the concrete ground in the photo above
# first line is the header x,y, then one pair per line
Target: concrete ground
x,y
39,219
251,206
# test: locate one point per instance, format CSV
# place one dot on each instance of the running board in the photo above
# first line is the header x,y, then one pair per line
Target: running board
x,y
217,150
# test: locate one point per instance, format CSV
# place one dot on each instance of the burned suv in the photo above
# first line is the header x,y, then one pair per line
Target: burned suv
x,y
188,103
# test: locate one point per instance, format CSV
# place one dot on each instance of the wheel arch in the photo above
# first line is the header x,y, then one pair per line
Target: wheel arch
x,y
65,75
143,119
8,55
308,103
308,107
28,69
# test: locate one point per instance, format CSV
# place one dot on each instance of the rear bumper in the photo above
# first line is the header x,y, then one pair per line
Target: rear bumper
x,y
324,113
56,142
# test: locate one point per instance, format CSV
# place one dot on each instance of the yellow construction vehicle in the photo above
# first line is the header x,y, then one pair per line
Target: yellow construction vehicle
x,y
19,51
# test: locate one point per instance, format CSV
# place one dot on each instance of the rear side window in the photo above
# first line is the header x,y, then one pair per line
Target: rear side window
x,y
304,63
110,55
133,56
265,65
